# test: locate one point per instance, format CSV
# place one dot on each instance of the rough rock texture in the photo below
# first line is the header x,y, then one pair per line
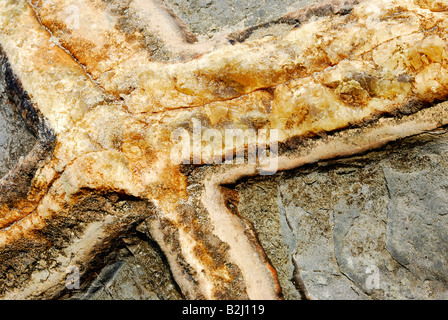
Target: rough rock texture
x,y
386,209
135,270
131,109
211,17
15,139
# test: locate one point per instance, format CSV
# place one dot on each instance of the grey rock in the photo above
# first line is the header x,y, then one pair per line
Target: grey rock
x,y
137,271
15,139
417,233
367,227
209,17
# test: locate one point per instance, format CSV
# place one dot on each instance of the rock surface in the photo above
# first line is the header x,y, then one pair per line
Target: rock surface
x,y
15,139
367,227
105,88
136,270
210,17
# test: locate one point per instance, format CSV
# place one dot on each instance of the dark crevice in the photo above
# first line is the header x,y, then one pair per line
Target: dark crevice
x,y
298,281
161,254
16,184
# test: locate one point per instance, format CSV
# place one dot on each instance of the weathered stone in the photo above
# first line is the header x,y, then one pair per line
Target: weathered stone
x,y
136,271
211,17
417,223
107,90
344,220
15,139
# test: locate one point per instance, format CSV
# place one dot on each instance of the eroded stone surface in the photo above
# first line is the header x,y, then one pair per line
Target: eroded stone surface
x,y
136,270
15,139
340,84
343,219
417,223
208,17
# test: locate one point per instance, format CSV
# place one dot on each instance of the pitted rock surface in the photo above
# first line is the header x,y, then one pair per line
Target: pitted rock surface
x,y
106,87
